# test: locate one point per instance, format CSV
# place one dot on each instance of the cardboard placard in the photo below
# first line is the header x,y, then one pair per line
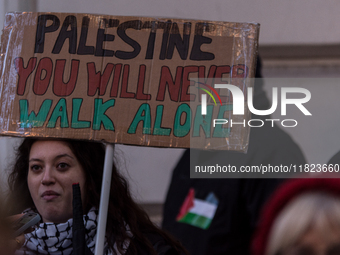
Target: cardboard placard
x,y
118,79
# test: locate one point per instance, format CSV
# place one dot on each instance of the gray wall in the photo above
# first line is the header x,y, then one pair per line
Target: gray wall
x,y
282,22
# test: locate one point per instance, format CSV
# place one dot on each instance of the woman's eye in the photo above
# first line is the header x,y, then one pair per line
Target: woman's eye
x,y
35,168
63,166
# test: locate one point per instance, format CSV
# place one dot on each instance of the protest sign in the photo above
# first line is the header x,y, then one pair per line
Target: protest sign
x,y
119,79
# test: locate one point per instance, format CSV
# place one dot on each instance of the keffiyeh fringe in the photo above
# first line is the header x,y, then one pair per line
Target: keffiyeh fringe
x,y
56,239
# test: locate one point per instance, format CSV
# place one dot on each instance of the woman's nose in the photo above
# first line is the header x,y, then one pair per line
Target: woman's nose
x,y
48,177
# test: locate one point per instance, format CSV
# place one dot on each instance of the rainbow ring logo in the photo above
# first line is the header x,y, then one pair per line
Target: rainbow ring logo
x,y
204,97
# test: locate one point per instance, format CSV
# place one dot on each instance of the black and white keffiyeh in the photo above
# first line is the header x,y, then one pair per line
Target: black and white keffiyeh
x,y
56,239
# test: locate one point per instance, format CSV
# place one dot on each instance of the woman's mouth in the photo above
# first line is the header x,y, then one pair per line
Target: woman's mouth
x,y
49,195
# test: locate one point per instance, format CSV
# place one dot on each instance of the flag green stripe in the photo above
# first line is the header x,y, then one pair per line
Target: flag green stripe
x,y
196,220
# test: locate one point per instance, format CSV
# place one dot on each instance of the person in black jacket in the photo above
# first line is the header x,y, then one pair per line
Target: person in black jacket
x,y
234,204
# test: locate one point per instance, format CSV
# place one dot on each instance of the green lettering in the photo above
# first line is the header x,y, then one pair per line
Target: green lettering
x,y
158,130
143,114
33,120
203,121
179,129
99,115
220,132
76,123
60,111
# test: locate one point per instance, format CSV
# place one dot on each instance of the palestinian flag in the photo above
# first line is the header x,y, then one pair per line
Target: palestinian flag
x,y
197,212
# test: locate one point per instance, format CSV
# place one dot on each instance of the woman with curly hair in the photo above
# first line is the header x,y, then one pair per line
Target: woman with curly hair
x,y
42,180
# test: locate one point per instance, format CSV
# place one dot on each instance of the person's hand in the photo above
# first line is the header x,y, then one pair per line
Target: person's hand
x,y
16,243
8,244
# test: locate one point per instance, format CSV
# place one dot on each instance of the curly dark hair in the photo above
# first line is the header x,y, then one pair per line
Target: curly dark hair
x,y
122,209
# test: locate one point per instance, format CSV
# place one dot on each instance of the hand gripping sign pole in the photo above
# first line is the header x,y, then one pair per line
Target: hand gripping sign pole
x,y
104,199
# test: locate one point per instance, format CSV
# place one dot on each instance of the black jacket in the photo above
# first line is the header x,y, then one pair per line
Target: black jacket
x,y
158,243
239,200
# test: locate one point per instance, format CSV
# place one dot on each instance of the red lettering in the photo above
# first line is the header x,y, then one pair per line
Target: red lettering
x,y
115,82
96,80
42,79
222,70
185,96
23,73
166,79
208,80
218,80
240,71
124,93
60,88
140,85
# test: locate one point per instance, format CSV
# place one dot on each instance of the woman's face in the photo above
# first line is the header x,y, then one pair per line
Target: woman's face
x,y
315,242
53,168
